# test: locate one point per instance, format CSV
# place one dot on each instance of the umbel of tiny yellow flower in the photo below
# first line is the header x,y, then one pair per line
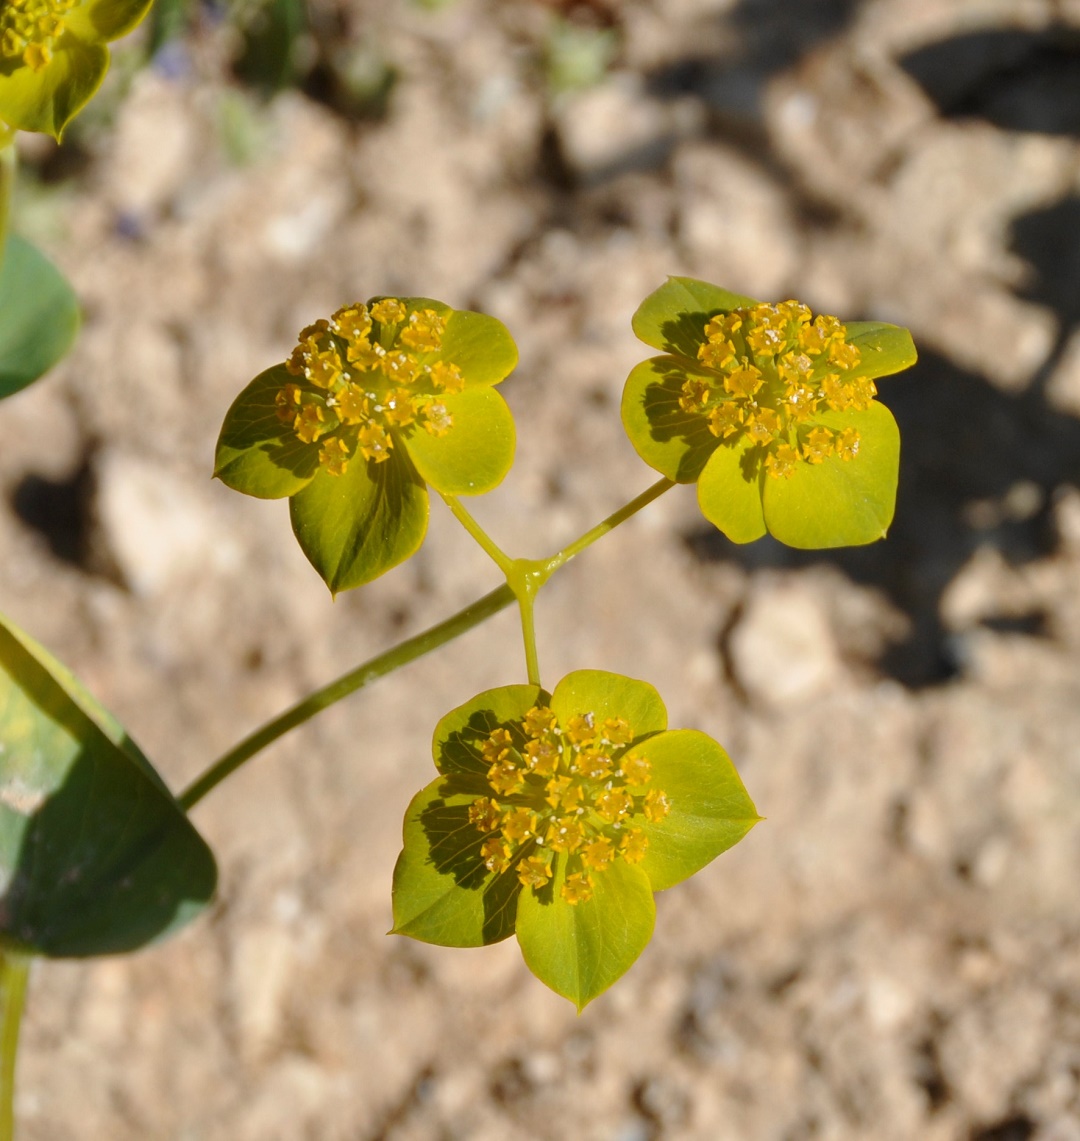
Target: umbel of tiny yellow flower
x,y
555,818
54,55
373,403
771,410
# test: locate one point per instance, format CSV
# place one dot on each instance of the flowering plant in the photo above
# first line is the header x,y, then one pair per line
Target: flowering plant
x,y
555,818
771,411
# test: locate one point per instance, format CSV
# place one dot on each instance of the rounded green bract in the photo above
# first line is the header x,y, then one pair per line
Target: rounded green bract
x,y
553,818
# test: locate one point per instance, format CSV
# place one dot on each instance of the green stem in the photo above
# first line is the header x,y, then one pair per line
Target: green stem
x,y
490,548
14,969
609,524
8,164
400,655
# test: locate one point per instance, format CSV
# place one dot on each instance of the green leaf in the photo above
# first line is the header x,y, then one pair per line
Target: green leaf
x,y
479,345
674,442
673,317
355,527
47,100
39,316
710,808
477,451
443,893
609,695
258,453
95,854
885,349
106,19
840,503
459,735
729,491
580,949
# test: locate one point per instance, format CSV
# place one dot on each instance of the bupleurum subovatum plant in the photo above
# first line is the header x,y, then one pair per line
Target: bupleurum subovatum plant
x,y
555,815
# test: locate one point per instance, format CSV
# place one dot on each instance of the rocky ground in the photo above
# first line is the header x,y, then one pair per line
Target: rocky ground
x,y
894,952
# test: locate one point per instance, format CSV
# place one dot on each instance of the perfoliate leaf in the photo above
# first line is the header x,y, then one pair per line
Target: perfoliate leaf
x,y
674,442
459,735
840,503
605,695
95,854
257,452
729,491
39,316
885,349
356,526
480,346
475,453
671,318
580,949
710,809
442,891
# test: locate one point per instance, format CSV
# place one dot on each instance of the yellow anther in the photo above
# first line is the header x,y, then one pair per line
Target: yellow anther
x,y
389,311
364,354
812,339
352,322
399,366
497,745
800,401
581,729
374,443
543,758
847,444
37,56
716,353
352,404
324,368
744,381
577,889
818,446
634,845
564,834
562,792
310,423
795,311
518,824
506,778
399,408
485,813
695,394
726,419
539,720
636,770
781,460
830,326
657,805
496,854
334,455
534,872
288,401
794,367
438,420
863,391
593,765
598,854
447,378
763,426
617,731
843,355
838,395
613,804
423,332
766,340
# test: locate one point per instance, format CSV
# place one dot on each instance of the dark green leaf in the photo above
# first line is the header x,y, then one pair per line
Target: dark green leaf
x,y
96,856
459,735
39,316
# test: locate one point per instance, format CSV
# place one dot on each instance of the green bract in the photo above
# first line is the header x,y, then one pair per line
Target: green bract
x,y
53,57
96,856
556,818
372,405
770,411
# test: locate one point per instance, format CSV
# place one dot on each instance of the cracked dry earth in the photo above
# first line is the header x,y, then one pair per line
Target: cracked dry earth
x,y
894,953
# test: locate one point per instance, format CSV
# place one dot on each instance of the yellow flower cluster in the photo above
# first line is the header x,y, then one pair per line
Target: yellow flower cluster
x,y
30,28
364,375
564,789
771,370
